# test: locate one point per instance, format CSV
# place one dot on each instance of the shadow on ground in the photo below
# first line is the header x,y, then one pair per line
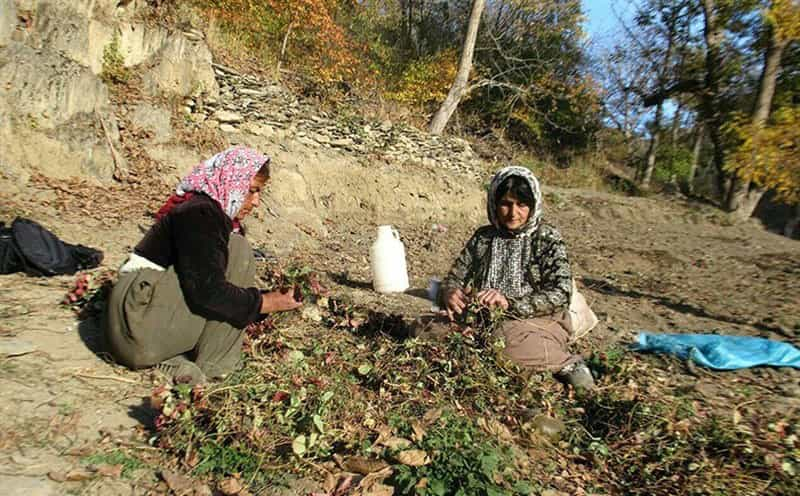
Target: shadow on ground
x,y
608,288
144,413
343,278
91,332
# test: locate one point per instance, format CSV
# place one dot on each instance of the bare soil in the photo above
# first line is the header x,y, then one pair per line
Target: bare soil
x,y
656,264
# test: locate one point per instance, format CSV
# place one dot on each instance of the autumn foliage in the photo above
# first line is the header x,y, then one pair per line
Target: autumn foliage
x,y
298,34
427,80
526,73
769,155
784,17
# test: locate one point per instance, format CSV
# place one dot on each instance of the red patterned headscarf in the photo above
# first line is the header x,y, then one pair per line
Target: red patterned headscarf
x,y
225,177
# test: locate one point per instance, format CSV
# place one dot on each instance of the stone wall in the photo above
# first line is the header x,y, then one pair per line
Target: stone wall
x,y
262,108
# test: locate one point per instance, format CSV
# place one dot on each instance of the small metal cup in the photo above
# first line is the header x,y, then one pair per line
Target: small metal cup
x,y
433,293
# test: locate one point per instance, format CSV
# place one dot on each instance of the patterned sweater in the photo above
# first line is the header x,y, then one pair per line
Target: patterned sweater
x,y
545,268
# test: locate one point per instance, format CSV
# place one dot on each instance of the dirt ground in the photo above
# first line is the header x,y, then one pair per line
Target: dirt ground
x,y
654,264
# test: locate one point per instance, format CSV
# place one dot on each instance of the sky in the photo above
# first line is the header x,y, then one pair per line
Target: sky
x,y
601,23
603,26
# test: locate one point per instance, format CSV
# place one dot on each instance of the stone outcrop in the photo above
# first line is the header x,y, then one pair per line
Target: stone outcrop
x,y
8,21
56,117
42,89
52,54
172,63
182,66
154,119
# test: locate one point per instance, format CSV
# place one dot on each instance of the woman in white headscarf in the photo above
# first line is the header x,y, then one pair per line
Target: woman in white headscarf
x,y
520,264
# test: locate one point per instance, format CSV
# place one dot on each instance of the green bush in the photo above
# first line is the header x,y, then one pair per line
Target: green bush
x,y
128,463
672,161
114,70
464,461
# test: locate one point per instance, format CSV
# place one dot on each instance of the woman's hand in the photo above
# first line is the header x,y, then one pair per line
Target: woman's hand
x,y
279,301
492,298
454,302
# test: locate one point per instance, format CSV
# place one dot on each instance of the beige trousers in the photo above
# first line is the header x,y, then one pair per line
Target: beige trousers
x,y
539,344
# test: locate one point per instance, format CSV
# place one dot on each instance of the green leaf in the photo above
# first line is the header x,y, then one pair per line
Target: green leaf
x,y
326,397
494,491
489,464
523,488
364,369
318,423
299,445
437,487
184,390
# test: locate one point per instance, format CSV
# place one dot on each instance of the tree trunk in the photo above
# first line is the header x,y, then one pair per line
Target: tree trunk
x,y
698,146
439,120
721,178
793,223
407,9
652,149
769,78
676,124
743,197
650,162
709,99
284,45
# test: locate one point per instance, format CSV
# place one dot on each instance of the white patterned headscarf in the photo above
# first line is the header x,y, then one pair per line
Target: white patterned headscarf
x,y
510,248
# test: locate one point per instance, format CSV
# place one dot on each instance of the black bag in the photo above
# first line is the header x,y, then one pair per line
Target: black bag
x,y
10,259
39,252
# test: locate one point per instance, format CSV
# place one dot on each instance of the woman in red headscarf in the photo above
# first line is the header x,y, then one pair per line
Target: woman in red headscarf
x,y
187,291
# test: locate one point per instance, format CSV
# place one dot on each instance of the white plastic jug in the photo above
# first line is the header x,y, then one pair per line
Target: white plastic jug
x,y
388,261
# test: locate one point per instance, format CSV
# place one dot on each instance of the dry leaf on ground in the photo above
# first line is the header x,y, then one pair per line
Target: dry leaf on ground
x,y
496,428
79,474
202,490
413,458
231,486
432,415
419,431
106,470
180,485
363,465
397,443
384,433
57,476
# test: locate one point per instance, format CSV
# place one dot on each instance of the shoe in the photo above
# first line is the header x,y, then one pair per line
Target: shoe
x,y
577,375
182,370
264,255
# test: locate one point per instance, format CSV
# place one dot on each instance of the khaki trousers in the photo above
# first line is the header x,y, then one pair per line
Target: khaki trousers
x,y
148,321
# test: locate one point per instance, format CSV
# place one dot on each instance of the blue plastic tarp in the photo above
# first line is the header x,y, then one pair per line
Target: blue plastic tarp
x,y
721,352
